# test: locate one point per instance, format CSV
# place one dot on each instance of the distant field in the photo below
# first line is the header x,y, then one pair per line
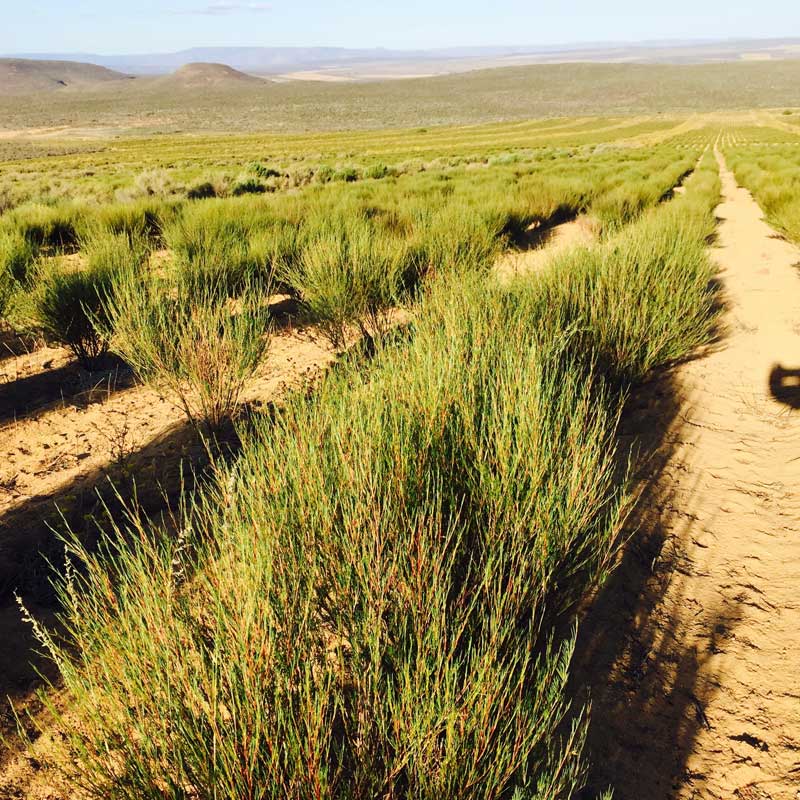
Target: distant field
x,y
150,107
49,170
107,169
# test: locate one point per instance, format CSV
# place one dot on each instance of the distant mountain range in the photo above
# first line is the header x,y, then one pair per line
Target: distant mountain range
x,y
361,62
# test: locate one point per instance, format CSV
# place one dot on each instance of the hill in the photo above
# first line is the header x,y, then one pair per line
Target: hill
x,y
225,104
202,76
22,76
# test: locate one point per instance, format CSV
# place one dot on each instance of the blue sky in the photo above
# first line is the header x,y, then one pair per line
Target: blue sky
x,y
141,26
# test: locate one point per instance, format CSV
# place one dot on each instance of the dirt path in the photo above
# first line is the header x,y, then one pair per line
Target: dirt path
x,y
694,648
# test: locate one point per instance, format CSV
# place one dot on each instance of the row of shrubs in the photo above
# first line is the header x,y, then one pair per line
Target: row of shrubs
x,y
60,227
349,257
773,177
376,598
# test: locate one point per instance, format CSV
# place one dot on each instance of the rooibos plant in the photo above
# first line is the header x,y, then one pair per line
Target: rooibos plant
x,y
193,343
69,304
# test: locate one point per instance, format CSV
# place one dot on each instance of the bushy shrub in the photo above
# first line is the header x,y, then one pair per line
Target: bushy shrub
x,y
459,238
264,171
53,227
68,307
143,218
7,201
349,274
17,257
645,297
211,247
192,343
346,174
7,287
275,251
325,174
504,159
377,171
154,182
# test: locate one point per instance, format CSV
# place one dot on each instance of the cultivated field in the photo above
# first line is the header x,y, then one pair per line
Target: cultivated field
x,y
329,462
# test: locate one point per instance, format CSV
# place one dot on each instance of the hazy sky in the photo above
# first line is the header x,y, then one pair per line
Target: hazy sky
x,y
113,26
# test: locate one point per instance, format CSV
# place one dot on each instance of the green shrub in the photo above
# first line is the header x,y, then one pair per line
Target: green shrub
x,y
263,171
192,343
152,183
325,174
211,248
347,174
53,227
144,218
349,275
68,305
504,159
7,288
276,251
645,297
377,171
17,257
459,238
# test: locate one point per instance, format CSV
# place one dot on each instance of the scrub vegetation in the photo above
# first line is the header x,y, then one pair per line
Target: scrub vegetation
x,y
375,592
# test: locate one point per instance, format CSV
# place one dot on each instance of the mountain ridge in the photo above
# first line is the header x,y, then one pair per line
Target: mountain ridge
x,y
278,60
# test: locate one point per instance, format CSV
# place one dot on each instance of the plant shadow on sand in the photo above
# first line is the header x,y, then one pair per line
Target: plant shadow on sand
x,y
648,700
784,385
68,383
165,469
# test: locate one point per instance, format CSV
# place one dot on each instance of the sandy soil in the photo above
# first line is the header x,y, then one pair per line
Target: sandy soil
x,y
90,420
543,244
692,648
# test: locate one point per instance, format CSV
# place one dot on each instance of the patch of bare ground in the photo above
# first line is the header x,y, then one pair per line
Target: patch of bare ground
x,y
543,243
691,649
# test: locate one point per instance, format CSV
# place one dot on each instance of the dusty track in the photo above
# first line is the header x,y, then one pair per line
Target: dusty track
x,y
693,648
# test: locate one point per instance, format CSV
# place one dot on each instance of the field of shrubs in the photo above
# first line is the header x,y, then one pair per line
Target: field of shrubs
x,y
374,589
772,174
